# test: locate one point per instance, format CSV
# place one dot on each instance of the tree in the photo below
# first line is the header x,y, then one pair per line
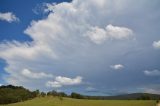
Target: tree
x,y
13,94
52,93
76,95
36,93
49,93
43,94
62,94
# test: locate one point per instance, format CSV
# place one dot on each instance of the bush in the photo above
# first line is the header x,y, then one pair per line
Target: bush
x,y
157,101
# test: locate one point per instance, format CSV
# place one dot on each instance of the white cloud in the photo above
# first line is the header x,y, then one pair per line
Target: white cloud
x,y
152,91
58,40
48,7
29,74
44,8
53,84
156,44
116,32
117,66
62,81
99,35
8,16
152,73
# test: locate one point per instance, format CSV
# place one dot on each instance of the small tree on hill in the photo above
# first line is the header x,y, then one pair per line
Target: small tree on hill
x,y
76,95
43,94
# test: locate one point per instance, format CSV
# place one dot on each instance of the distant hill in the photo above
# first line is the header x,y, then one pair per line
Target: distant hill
x,y
133,96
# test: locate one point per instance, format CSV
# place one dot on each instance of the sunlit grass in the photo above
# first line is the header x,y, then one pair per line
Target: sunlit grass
x,y
54,101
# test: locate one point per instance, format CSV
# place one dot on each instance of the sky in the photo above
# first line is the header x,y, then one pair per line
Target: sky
x,y
104,47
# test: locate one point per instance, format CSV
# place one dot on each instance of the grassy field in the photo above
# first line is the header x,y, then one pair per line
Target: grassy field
x,y
52,101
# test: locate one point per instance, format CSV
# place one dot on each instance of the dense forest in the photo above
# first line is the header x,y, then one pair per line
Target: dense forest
x,y
13,94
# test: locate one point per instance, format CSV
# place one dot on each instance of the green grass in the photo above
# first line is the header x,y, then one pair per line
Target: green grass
x,y
53,101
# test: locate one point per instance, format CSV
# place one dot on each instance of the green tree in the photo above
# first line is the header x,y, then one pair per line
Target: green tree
x,y
76,95
43,94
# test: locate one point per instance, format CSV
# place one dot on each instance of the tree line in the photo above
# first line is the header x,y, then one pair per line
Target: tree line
x,y
13,94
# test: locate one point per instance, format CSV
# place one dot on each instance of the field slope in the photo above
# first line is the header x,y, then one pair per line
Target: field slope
x,y
53,101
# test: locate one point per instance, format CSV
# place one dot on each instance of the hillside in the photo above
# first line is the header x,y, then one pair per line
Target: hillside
x,y
54,101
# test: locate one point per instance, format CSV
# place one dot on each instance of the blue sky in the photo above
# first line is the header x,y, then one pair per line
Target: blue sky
x,y
103,47
18,7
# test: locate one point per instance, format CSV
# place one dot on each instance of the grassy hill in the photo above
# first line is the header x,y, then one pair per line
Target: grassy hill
x,y
54,101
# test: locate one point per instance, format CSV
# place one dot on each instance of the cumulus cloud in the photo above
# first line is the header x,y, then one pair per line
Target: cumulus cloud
x,y
156,44
64,38
29,74
8,16
117,66
152,72
62,81
99,35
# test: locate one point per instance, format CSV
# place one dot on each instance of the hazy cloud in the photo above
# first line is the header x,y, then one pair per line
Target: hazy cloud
x,y
117,66
8,16
62,81
152,91
152,72
156,44
29,74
